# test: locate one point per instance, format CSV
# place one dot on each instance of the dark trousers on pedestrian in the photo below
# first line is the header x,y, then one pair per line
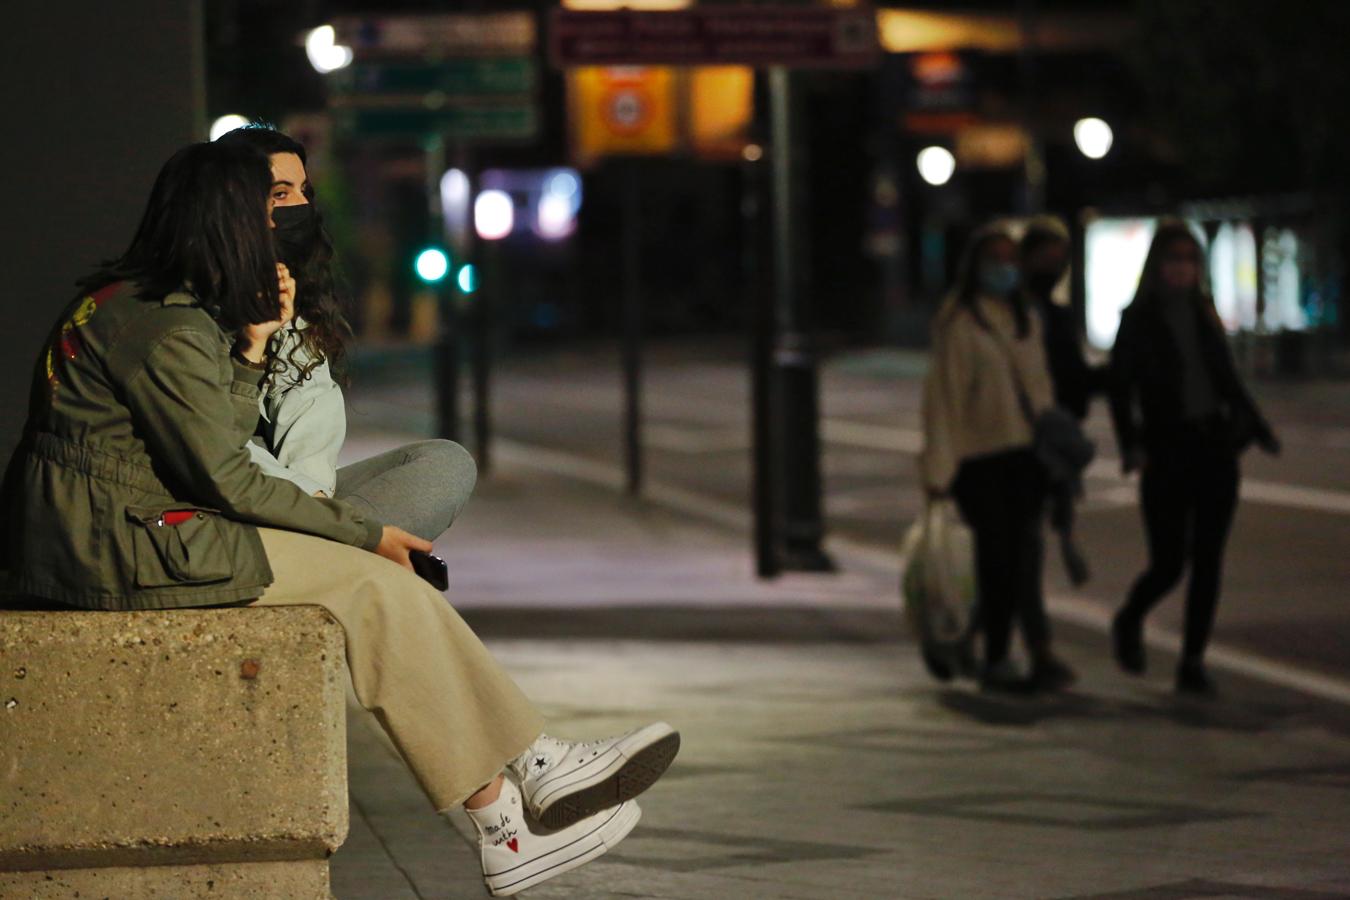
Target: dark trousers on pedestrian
x,y
1188,494
1001,497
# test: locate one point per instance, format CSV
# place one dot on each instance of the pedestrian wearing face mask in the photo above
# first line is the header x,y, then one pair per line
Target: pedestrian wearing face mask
x,y
420,487
988,381
1044,255
1182,417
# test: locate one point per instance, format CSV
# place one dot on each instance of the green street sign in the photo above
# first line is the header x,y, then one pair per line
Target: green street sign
x,y
488,77
516,122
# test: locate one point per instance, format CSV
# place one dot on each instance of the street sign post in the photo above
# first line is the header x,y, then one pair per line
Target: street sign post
x,y
789,524
497,124
441,35
462,79
793,36
484,77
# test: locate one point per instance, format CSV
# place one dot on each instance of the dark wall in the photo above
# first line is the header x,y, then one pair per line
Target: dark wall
x,y
95,96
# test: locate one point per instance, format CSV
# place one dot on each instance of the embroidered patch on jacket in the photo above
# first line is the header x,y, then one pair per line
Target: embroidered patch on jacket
x,y
68,343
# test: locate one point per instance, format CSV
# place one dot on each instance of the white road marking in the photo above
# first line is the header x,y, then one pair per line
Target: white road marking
x,y
679,439
1296,497
1081,612
1118,489
872,437
1121,489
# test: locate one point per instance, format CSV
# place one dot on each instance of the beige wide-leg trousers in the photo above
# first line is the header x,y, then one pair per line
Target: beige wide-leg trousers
x,y
456,717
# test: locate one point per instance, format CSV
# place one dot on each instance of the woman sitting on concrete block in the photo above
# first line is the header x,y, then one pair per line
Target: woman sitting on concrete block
x,y
133,488
420,487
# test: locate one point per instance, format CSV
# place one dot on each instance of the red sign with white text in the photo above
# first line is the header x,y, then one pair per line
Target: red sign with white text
x,y
797,37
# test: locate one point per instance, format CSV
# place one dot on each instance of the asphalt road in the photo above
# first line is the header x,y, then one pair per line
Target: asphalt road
x,y
1287,579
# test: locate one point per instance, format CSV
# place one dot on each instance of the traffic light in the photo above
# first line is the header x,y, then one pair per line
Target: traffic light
x,y
467,279
432,265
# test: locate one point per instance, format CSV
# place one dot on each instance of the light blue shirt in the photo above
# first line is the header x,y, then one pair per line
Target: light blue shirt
x,y
304,421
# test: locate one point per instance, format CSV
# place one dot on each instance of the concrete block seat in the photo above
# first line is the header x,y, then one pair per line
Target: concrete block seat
x,y
175,754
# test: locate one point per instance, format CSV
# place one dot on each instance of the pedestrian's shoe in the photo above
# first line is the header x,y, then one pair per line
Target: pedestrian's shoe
x,y
1050,673
1003,677
1127,640
1192,679
563,782
518,852
937,666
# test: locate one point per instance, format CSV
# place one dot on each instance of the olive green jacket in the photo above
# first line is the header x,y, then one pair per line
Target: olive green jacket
x,y
139,413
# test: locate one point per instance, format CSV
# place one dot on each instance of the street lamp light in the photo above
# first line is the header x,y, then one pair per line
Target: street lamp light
x,y
1093,137
324,52
936,165
226,124
494,215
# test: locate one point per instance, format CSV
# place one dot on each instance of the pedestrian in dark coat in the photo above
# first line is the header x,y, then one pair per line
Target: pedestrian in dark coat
x,y
1182,418
1044,255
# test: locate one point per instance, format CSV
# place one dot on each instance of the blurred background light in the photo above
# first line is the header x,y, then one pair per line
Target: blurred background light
x,y
936,165
225,124
432,264
494,215
564,183
455,196
555,219
455,188
325,54
1093,137
467,279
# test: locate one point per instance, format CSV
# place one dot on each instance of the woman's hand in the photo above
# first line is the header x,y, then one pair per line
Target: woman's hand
x,y
396,544
252,343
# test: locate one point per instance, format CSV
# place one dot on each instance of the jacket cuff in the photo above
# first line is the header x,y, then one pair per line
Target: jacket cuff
x,y
247,375
305,483
374,534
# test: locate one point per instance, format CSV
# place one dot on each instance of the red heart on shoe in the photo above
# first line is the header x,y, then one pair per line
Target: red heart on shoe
x,y
514,844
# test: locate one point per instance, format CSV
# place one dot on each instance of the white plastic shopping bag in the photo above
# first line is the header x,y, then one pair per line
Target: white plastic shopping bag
x,y
938,585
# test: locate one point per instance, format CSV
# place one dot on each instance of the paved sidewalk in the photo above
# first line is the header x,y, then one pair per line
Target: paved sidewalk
x,y
819,761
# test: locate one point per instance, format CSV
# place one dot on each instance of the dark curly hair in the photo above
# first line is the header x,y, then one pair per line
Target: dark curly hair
x,y
318,299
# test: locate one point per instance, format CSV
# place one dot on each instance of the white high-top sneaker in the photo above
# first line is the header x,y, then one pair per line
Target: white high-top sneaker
x,y
518,853
563,782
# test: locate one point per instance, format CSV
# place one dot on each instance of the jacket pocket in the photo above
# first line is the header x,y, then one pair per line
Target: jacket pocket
x,y
171,551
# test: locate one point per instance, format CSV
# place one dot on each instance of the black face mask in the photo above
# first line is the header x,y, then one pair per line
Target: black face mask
x,y
1042,283
297,229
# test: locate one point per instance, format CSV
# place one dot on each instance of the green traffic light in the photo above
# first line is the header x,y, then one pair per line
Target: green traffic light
x,y
467,279
432,265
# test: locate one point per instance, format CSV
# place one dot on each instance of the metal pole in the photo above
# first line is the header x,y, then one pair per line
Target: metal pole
x,y
780,101
479,303
796,404
763,472
488,287
1034,166
447,351
632,330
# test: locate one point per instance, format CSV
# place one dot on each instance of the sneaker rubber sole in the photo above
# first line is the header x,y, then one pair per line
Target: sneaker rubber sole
x,y
614,828
612,780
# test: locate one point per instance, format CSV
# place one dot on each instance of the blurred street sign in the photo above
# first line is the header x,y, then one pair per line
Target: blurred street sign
x,y
622,111
793,36
480,77
437,35
465,77
513,122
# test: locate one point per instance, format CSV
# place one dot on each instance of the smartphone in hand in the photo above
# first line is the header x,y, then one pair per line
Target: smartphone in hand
x,y
431,569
